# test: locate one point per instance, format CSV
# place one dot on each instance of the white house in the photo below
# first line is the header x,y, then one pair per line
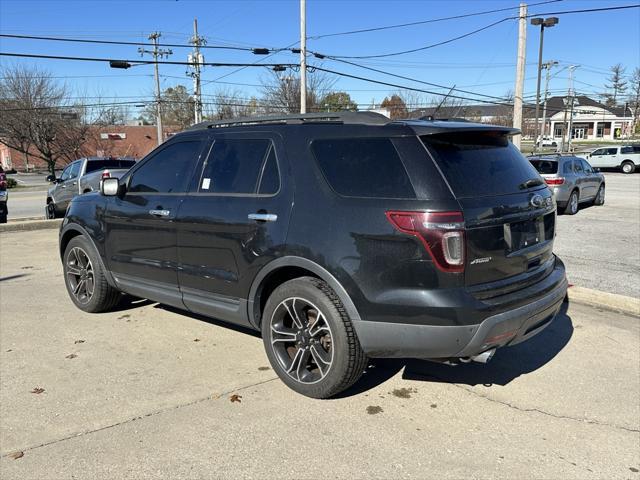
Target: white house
x,y
592,120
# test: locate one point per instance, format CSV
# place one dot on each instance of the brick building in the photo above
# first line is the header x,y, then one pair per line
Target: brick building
x,y
110,141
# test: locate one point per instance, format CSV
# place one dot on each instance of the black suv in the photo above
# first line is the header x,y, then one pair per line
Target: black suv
x,y
339,236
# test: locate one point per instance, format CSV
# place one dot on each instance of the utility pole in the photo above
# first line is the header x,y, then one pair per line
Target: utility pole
x,y
196,61
547,65
517,99
155,53
572,100
303,56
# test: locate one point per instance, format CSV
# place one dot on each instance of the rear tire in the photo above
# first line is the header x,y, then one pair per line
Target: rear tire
x,y
85,279
310,340
572,204
599,200
628,166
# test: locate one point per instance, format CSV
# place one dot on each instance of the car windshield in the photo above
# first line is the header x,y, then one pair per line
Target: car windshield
x,y
94,165
545,167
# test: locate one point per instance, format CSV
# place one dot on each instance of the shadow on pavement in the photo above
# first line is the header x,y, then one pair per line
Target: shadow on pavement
x,y
507,364
13,277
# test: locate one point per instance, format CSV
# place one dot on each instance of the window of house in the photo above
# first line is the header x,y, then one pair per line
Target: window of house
x,y
168,171
246,166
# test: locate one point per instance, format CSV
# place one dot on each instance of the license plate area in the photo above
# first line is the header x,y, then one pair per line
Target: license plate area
x,y
524,234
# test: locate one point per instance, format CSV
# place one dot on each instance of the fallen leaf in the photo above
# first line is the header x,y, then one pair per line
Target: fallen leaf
x,y
10,350
373,409
78,341
196,339
71,355
235,398
16,455
37,390
122,317
27,267
263,368
434,405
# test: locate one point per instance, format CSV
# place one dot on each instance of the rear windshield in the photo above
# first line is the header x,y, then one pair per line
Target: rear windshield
x,y
93,165
363,167
545,167
481,164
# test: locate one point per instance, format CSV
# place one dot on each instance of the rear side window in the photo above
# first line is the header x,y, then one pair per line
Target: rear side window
x,y
238,166
568,167
363,167
167,171
545,167
94,165
480,164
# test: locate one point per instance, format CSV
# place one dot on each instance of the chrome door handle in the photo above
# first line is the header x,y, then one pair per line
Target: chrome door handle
x,y
263,217
160,213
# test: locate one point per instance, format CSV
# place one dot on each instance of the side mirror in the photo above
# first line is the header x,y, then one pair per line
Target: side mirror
x,y
51,178
596,169
109,187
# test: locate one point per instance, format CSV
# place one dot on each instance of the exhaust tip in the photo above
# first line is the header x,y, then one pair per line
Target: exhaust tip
x,y
484,357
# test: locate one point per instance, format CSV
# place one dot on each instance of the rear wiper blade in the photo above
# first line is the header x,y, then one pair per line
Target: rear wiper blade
x,y
532,182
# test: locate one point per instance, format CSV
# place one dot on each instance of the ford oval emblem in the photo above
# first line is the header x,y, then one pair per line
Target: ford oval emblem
x,y
537,201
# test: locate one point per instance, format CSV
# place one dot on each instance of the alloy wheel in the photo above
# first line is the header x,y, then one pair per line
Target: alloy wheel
x,y
573,203
600,198
302,340
80,275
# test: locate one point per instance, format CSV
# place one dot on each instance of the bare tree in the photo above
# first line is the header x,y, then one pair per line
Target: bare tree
x,y
112,115
634,98
178,108
396,106
617,83
228,104
281,93
36,118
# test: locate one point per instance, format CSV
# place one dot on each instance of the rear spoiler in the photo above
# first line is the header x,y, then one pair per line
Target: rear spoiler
x,y
434,127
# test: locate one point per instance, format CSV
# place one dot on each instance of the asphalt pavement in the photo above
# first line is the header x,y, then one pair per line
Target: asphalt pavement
x,y
146,392
601,245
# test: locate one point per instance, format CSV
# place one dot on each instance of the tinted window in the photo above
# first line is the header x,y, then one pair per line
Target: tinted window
x,y
270,180
567,167
586,166
234,166
480,164
612,151
167,171
600,151
94,165
363,167
545,166
577,166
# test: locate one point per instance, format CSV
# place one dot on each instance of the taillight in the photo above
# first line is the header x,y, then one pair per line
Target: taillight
x,y
106,174
554,181
441,233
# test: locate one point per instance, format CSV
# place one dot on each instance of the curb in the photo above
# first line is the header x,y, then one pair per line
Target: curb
x,y
30,225
608,301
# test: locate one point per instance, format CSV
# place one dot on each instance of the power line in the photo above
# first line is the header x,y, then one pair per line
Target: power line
x,y
144,62
426,47
117,42
423,22
486,27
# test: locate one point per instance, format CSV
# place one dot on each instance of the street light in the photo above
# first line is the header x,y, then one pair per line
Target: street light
x,y
543,22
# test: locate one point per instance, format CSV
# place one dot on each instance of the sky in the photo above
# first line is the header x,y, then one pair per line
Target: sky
x,y
483,63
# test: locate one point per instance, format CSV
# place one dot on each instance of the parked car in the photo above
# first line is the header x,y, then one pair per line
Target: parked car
x,y
547,142
572,180
338,236
624,157
82,176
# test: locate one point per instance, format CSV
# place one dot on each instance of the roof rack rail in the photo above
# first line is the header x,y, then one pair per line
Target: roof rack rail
x,y
431,118
364,118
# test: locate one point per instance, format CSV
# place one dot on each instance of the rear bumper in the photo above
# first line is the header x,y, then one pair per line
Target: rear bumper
x,y
401,340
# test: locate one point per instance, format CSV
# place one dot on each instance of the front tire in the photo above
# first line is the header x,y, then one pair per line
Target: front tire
x,y
572,204
85,279
628,167
310,340
50,211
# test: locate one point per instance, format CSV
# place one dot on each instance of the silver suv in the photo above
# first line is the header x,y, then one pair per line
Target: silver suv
x,y
572,180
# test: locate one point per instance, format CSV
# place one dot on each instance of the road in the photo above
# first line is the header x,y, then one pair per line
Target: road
x,y
27,202
144,392
601,245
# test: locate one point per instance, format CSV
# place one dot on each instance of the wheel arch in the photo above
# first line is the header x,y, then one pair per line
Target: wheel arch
x,y
287,268
72,230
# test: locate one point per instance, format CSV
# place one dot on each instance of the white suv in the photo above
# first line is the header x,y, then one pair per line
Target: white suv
x,y
626,157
